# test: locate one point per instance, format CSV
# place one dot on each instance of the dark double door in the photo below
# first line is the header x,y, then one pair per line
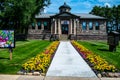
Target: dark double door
x,y
64,28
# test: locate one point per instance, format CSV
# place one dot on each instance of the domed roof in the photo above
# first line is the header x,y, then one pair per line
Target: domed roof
x,y
65,6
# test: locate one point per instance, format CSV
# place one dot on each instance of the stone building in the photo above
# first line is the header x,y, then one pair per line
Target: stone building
x,y
67,25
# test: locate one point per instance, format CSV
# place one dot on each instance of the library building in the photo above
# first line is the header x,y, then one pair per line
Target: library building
x,y
66,25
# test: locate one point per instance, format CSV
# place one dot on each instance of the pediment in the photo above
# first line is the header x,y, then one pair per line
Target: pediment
x,y
66,14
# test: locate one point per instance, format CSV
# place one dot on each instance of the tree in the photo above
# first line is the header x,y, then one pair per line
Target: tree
x,y
112,14
18,14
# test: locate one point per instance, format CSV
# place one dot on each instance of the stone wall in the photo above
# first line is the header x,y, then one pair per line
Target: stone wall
x,y
87,31
39,36
91,37
72,37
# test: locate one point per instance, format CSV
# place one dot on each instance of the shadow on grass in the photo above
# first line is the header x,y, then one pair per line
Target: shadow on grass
x,y
4,58
93,45
103,50
22,40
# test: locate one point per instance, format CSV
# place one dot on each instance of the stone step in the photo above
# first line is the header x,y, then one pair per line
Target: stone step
x,y
64,37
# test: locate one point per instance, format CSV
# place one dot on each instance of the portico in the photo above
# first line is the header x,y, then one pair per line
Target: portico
x,y
64,24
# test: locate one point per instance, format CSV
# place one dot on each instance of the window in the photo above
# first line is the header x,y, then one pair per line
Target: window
x,y
33,25
96,25
90,26
46,25
84,26
39,25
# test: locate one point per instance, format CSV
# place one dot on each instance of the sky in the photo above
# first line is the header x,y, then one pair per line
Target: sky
x,y
79,6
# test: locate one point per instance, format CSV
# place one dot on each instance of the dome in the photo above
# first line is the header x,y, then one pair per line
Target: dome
x,y
65,6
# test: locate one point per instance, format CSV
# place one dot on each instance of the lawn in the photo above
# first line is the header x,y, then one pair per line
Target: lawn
x,y
101,48
24,51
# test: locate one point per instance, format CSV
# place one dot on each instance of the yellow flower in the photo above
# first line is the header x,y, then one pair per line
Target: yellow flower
x,y
42,60
99,63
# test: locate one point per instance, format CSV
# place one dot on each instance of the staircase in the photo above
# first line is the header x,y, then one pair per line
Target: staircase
x,y
64,37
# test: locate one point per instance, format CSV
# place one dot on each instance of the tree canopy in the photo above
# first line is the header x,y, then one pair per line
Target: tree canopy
x,y
111,13
17,14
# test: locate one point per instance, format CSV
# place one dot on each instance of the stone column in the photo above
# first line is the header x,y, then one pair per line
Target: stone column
x,y
93,26
36,26
87,24
74,27
70,26
55,24
59,26
105,26
78,27
52,27
42,25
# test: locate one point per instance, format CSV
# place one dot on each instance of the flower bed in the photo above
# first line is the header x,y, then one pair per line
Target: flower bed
x,y
98,64
41,62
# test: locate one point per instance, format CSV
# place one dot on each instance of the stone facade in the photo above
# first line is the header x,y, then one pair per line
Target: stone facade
x,y
80,26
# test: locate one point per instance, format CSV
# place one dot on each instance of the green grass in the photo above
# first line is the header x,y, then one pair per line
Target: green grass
x,y
101,48
24,50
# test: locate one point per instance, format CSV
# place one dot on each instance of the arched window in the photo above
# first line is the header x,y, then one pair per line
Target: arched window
x,y
97,27
84,26
90,26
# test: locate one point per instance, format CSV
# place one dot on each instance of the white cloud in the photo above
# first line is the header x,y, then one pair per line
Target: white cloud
x,y
105,0
107,4
79,5
87,4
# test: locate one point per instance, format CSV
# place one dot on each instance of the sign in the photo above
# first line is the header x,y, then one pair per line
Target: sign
x,y
7,39
111,40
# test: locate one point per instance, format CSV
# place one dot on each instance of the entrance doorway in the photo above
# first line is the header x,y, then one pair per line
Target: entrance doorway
x,y
64,28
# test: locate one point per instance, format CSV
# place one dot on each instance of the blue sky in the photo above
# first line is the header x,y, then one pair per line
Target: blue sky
x,y
79,6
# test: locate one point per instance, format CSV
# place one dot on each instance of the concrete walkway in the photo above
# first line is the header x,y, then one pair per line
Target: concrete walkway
x,y
68,62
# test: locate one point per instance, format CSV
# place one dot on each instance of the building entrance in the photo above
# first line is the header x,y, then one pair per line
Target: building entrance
x,y
64,28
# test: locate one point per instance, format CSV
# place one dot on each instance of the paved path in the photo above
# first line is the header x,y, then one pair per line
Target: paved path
x,y
68,62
